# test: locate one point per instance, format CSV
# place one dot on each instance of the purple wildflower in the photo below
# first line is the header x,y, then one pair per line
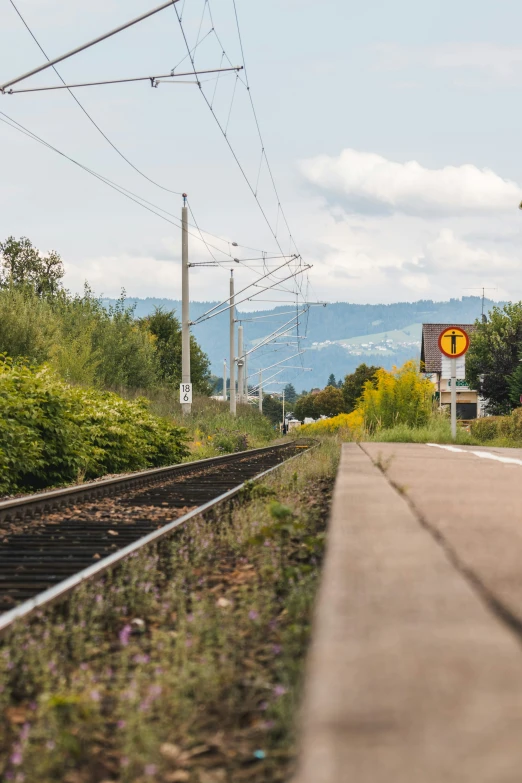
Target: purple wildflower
x,y
155,691
125,635
16,757
151,769
141,658
276,649
95,695
253,615
121,724
279,690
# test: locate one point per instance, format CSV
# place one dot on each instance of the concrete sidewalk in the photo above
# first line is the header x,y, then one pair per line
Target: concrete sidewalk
x,y
414,675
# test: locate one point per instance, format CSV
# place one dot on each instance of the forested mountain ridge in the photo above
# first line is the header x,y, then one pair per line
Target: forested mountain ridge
x,y
335,322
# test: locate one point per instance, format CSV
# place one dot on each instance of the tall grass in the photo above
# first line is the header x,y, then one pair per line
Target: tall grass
x,y
212,430
437,430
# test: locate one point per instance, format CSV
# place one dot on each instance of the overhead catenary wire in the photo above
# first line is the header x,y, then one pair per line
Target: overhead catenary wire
x,y
203,317
111,143
87,114
118,188
15,125
82,48
163,78
232,150
224,131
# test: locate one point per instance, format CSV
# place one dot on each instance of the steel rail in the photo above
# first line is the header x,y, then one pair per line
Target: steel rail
x,y
64,587
18,508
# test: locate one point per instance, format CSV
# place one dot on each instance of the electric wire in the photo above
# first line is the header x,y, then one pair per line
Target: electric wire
x,y
116,149
232,150
118,188
89,117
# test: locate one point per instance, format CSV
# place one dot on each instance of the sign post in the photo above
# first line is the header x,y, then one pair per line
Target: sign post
x,y
453,343
454,399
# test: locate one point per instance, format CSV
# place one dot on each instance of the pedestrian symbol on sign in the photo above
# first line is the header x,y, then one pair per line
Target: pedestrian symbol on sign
x,y
185,393
453,342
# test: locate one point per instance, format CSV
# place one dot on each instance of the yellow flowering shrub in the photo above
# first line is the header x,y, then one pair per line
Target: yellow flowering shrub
x,y
350,421
401,396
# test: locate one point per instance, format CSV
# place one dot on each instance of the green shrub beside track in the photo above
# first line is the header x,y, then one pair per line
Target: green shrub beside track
x,y
52,433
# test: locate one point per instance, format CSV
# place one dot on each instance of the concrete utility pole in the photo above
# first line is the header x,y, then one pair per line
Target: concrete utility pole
x,y
245,373
225,380
232,347
186,407
240,365
260,392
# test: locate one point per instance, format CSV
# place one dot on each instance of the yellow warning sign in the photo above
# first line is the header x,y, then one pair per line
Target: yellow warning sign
x,y
453,342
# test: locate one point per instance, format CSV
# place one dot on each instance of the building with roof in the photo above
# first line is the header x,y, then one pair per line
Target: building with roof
x,y
436,367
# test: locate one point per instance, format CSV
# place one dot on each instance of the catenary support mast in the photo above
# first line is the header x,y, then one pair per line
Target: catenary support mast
x,y
240,365
185,304
232,312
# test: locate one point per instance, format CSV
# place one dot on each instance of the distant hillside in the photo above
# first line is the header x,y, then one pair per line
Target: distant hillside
x,y
339,336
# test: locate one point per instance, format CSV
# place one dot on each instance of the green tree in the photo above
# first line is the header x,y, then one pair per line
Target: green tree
x,y
331,381
290,394
515,385
493,356
353,385
28,325
329,402
273,409
22,265
305,407
166,330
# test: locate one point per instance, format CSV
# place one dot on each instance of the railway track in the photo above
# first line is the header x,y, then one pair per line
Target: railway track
x,y
53,541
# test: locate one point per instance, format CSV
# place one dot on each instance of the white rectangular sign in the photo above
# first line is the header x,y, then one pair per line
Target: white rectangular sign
x,y
446,367
185,393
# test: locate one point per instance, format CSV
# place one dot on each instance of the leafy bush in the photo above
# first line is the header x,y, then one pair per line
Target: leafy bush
x,y
485,429
52,433
230,442
506,428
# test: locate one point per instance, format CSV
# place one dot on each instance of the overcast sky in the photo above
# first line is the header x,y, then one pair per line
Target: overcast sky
x,y
392,129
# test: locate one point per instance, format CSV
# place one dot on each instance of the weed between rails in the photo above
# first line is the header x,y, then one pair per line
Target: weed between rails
x,y
186,663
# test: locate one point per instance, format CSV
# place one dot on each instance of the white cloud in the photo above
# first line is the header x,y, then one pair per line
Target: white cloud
x,y
502,62
370,181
